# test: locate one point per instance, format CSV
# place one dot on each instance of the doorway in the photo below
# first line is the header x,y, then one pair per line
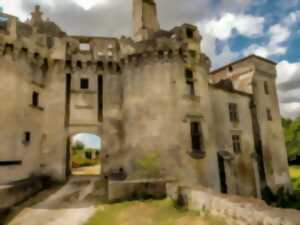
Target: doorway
x,y
222,174
85,150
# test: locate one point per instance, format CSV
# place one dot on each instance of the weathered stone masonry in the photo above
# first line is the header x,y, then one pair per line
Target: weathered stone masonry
x,y
159,111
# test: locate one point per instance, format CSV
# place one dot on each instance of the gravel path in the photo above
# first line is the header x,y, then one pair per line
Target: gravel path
x,y
70,205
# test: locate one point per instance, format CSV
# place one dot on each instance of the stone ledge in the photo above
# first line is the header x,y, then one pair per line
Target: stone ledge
x,y
137,189
234,209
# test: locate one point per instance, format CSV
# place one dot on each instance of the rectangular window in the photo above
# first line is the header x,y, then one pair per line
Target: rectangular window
x,y
196,136
27,137
233,112
84,83
269,115
189,76
35,99
266,87
236,143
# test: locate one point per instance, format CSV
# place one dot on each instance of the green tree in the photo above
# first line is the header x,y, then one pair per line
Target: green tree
x,y
78,145
292,136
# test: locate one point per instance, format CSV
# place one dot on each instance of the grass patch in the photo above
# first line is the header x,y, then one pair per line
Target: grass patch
x,y
152,212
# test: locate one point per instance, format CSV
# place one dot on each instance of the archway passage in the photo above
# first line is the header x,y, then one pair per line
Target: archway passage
x,y
85,153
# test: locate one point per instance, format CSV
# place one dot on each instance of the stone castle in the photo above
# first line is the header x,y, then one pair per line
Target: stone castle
x,y
159,110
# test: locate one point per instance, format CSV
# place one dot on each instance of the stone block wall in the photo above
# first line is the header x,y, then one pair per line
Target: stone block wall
x,y
234,209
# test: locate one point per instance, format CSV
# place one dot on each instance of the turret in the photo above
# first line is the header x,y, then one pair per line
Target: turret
x,y
145,21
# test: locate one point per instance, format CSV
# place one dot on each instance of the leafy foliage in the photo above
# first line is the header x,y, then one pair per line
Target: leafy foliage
x,y
292,136
78,145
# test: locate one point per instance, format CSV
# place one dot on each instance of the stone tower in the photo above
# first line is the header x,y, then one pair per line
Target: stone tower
x,y
145,20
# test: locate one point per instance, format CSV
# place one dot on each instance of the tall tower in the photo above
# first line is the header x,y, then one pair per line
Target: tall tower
x,y
145,20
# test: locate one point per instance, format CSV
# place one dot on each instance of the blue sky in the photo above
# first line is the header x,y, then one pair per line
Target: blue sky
x,y
89,140
231,29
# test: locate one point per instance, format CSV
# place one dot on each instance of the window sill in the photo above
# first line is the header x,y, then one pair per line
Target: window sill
x,y
37,107
194,98
84,91
197,155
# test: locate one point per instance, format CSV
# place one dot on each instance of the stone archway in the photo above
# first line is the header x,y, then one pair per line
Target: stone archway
x,y
83,154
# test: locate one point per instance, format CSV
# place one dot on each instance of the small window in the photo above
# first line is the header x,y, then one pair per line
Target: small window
x,y
269,115
230,68
84,83
35,99
190,33
190,82
233,112
236,143
196,137
266,87
27,137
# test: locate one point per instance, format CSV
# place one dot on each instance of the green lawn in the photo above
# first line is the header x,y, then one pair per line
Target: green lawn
x,y
295,176
158,212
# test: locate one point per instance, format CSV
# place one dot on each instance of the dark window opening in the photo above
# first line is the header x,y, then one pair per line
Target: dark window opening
x,y
269,115
35,99
100,65
190,33
11,163
190,82
119,70
266,87
27,137
100,98
230,68
196,136
84,83
160,54
233,112
110,65
79,64
69,63
236,142
68,99
36,55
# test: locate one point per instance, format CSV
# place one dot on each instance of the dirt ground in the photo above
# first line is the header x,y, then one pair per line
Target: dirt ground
x,y
87,170
71,204
82,202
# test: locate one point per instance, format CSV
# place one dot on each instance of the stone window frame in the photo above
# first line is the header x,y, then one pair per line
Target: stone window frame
x,y
190,81
196,119
84,83
269,114
266,88
233,112
26,137
236,143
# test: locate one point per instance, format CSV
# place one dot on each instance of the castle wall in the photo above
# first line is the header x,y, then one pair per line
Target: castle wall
x,y
18,115
157,112
272,138
241,174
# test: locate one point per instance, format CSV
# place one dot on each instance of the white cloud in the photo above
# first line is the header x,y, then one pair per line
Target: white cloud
x,y
277,34
288,82
88,4
292,18
246,25
223,29
14,8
